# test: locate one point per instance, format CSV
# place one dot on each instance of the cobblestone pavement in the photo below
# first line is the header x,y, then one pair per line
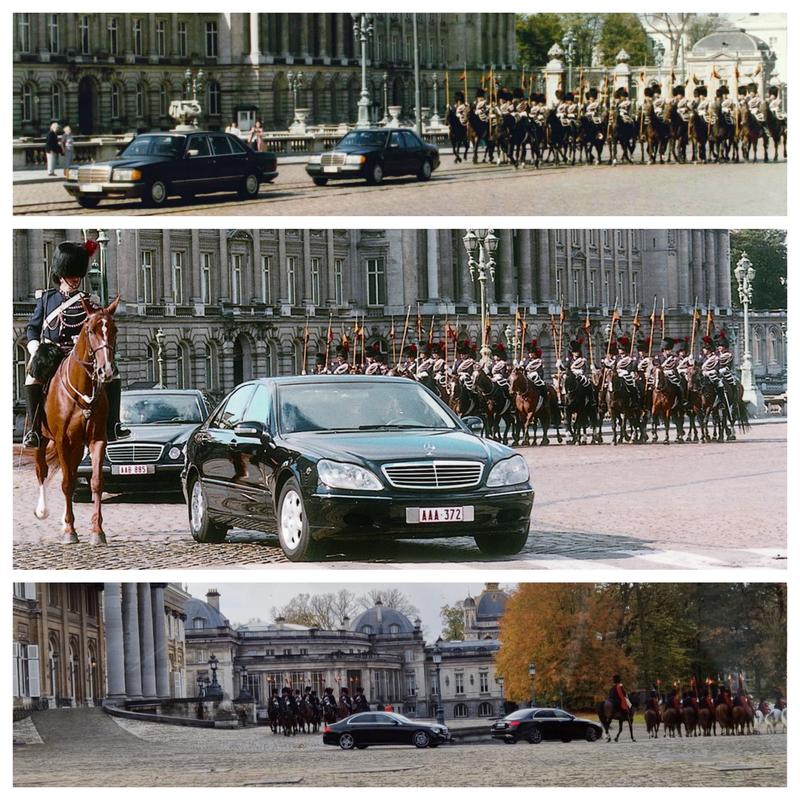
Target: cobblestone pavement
x,y
685,506
83,747
476,190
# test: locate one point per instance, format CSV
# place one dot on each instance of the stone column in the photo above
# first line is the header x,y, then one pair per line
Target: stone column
x,y
173,36
284,46
711,265
684,273
543,267
342,20
724,268
146,649
152,53
41,28
115,651
305,50
697,266
525,266
433,264
160,640
130,640
255,45
322,28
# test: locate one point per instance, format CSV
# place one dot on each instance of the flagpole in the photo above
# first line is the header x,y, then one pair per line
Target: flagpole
x,y
328,340
635,327
611,331
305,346
652,327
694,326
405,332
394,345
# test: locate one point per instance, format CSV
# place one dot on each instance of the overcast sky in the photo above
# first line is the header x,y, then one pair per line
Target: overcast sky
x,y
240,602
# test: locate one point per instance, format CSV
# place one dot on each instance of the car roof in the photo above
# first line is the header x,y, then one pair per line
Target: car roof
x,y
179,133
162,392
291,379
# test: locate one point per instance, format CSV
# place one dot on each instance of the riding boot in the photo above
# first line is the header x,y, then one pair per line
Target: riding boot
x,y
115,428
33,403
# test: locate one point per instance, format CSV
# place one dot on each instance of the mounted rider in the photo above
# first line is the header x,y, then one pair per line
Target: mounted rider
x,y
521,105
466,364
533,365
329,700
775,103
618,696
652,704
623,104
706,701
53,329
669,365
577,364
342,365
626,369
319,367
685,363
754,102
345,698
780,703
481,106
659,103
360,702
672,701
681,103
287,695
499,368
687,701
593,107
725,359
728,104
702,105
461,108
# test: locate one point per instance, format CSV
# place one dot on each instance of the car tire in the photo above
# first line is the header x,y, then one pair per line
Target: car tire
x,y
501,544
293,531
421,740
535,736
592,734
249,188
425,171
88,202
510,741
320,181
361,747
567,740
203,528
346,741
375,176
156,194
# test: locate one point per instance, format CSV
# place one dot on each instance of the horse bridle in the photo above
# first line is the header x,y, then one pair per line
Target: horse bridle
x,y
94,377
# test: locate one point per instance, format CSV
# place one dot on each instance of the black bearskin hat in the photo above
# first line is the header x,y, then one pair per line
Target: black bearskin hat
x,y
701,91
342,351
773,91
460,95
71,259
592,94
752,87
667,343
518,93
574,346
680,91
480,93
648,91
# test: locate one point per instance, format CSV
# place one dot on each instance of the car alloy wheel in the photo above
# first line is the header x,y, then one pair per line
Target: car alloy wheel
x,y
156,194
293,531
249,188
375,175
346,741
592,735
425,171
535,736
421,739
203,528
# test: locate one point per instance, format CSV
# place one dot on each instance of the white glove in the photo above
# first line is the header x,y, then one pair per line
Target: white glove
x,y
560,364
33,346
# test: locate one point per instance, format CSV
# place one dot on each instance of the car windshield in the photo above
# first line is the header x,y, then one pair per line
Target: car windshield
x,y
364,139
358,405
159,410
523,713
154,146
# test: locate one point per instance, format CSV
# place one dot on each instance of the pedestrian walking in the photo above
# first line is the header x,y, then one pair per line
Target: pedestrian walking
x,y
67,148
234,129
52,147
256,140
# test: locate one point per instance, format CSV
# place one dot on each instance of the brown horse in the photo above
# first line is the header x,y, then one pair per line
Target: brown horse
x,y
477,132
344,710
723,132
725,719
678,132
534,406
751,130
707,721
667,404
689,721
656,134
652,719
607,712
498,407
75,417
698,133
776,129
627,419
672,722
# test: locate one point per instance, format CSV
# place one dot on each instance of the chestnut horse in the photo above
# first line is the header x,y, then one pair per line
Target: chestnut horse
x,y
75,417
725,719
672,721
607,712
652,719
667,404
535,405
689,720
751,130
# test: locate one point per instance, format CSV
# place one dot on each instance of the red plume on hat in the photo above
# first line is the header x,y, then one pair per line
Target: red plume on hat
x,y
580,341
376,346
624,341
534,342
91,247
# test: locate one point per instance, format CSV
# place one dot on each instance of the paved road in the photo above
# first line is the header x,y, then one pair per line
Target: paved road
x,y
688,506
467,189
84,747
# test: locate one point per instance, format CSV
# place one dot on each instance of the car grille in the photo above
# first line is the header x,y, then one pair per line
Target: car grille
x,y
333,159
94,174
134,453
434,474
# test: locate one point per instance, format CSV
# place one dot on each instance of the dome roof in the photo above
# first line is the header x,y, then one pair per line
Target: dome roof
x,y
198,609
729,41
491,605
271,626
469,602
389,616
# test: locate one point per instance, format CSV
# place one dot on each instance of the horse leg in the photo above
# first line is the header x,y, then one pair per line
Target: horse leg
x,y
97,451
68,535
630,728
616,738
42,511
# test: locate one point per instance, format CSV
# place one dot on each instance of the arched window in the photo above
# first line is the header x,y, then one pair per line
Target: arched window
x,y
198,622
757,344
139,100
212,372
115,101
151,363
55,101
458,651
485,710
183,371
366,629
163,100
214,102
461,711
394,628
772,347
20,362
27,102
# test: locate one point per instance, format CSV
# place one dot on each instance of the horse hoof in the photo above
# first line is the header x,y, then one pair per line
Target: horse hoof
x,y
69,538
42,514
98,539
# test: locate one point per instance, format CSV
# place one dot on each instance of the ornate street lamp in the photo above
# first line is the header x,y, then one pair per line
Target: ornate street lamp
x,y
102,240
244,692
363,31
745,274
532,673
385,120
194,86
437,660
295,83
569,53
160,356
484,242
502,696
214,689
202,682
435,117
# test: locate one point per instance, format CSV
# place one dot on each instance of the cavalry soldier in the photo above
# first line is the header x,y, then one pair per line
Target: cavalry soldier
x,y
52,331
466,364
626,370
346,699
481,107
342,365
742,96
702,105
648,93
740,700
540,108
376,365
520,103
593,106
312,699
685,362
329,700
408,365
724,697
780,703
319,367
561,107
439,366
572,107
754,101
533,365
425,366
461,108
499,368
775,103
687,701
652,704
728,104
658,101
576,363
669,364
360,701
624,104
706,701
763,707
617,694
289,698
682,104
725,359
672,701
505,102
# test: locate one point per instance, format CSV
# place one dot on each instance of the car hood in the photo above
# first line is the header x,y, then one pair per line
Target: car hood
x,y
132,162
378,447
356,149
162,434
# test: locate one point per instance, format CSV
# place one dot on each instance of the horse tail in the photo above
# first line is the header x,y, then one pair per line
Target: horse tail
x,y
744,417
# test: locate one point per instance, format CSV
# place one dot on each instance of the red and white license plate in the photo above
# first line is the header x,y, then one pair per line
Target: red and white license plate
x,y
133,469
416,516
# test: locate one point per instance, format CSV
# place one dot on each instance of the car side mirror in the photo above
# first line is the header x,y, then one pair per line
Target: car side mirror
x,y
394,146
253,430
192,153
475,424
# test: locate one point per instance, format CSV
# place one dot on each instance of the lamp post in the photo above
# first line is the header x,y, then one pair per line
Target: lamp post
x,y
295,83
160,356
244,692
417,109
385,120
569,53
745,274
214,689
102,240
532,673
500,680
202,682
485,243
194,86
435,117
437,660
363,30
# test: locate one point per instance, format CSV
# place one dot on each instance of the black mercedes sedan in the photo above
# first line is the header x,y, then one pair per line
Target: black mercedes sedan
x,y
322,458
155,166
375,154
151,458
383,728
534,725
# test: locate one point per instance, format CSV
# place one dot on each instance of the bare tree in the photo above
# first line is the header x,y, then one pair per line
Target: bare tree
x,y
673,27
324,611
391,598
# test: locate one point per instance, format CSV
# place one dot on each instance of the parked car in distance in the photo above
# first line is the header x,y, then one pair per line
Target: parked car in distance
x,y
151,458
534,725
351,457
375,154
383,728
155,166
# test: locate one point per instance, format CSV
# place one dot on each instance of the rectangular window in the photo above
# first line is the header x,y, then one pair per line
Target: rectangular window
x,y
205,277
114,101
483,678
53,595
266,280
338,281
434,684
161,37
315,281
83,34
559,284
183,48
459,683
138,38
593,288
113,36
211,39
291,281
395,49
607,288
411,685
47,249
53,32
236,278
74,596
407,52
634,288
177,277
621,289
379,49
376,282
148,259
576,287
25,33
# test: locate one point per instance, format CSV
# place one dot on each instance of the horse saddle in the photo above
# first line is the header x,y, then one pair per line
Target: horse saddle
x,y
683,113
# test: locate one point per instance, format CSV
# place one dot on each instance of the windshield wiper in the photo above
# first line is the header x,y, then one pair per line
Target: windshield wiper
x,y
384,425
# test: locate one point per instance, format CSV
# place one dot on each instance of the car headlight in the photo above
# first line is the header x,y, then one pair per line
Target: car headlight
x,y
315,159
508,472
355,159
175,453
346,476
126,175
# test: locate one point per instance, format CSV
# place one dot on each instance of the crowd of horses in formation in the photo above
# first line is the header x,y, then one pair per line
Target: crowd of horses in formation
x,y
283,718
523,409
719,137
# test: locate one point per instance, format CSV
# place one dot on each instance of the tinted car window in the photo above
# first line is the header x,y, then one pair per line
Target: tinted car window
x,y
561,714
220,146
545,714
365,719
236,145
385,719
233,410
258,410
138,410
364,139
199,143
412,143
396,140
154,146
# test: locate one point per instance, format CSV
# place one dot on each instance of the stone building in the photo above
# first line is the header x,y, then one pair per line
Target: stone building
x,y
233,304
482,615
114,73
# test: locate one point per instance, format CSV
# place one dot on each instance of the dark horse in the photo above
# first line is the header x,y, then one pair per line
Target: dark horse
x,y
776,128
699,132
75,416
667,404
458,134
477,132
287,718
592,136
657,134
678,132
499,407
607,712
751,131
534,405
622,133
560,137
580,409
722,134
